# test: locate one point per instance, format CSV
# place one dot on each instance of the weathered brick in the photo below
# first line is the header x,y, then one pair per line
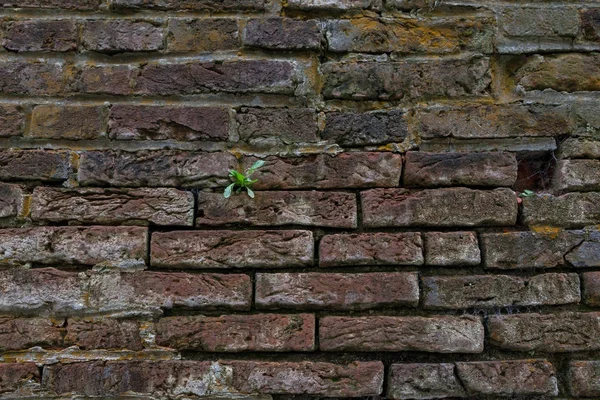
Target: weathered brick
x,y
561,72
35,78
451,248
438,207
406,80
105,333
322,171
591,288
118,246
282,34
218,6
579,148
40,35
526,145
64,4
327,209
587,253
508,378
424,169
11,200
114,36
276,126
571,210
232,249
15,375
235,76
23,333
361,129
334,5
385,35
104,79
491,121
155,168
554,333
485,291
371,249
202,35
577,175
590,24
318,291
548,22
234,333
584,378
424,381
44,165
160,206
440,334
68,122
12,120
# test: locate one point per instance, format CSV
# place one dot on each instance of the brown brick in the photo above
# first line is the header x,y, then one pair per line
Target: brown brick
x,y
202,35
234,333
554,333
590,24
11,200
159,206
119,246
68,122
23,333
104,79
371,249
451,248
13,376
486,291
33,78
316,291
584,378
362,129
114,36
440,334
64,4
326,209
12,120
43,165
232,249
571,210
216,6
562,72
277,126
591,288
105,333
155,168
322,171
438,207
337,5
424,381
40,35
577,175
283,34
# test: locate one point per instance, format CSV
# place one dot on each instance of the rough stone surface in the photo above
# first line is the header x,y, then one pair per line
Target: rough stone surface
x,y
591,288
325,209
548,22
14,375
23,333
64,4
12,120
103,333
191,5
344,291
68,122
232,249
361,129
590,22
584,378
371,249
202,35
269,126
451,248
577,175
40,35
334,4
34,165
11,200
579,148
562,72
114,36
32,78
424,381
282,33
571,210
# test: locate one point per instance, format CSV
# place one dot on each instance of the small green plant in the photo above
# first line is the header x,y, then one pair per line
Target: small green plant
x,y
242,181
527,193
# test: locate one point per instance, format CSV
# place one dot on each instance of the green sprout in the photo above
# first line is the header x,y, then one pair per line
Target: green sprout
x,y
242,181
527,193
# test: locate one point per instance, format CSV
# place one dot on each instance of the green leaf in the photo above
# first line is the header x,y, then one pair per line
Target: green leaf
x,y
255,166
527,193
250,192
228,189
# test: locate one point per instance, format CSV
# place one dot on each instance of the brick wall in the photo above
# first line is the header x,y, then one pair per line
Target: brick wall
x,y
387,253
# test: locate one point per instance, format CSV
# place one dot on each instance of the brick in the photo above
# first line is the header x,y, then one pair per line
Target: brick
x,y
519,145
13,376
587,119
577,175
11,200
590,24
155,168
451,248
584,378
68,122
325,209
362,129
282,34
494,169
217,6
553,333
440,334
235,76
202,35
41,291
142,292
508,378
334,5
114,36
232,249
486,291
105,333
184,123
235,333
40,35
316,291
32,78
438,207
579,148
591,288
562,72
43,165
64,4
491,121
271,127
23,333
119,246
322,171
548,23
371,249
387,35
160,206
571,210
104,79
587,252
424,381
12,120
406,80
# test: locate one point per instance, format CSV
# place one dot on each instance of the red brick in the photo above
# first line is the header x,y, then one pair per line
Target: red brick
x,y
274,126
424,381
232,249
40,35
317,291
11,200
217,6
234,333
105,333
44,165
33,78
23,333
12,120
104,79
113,36
283,34
16,375
202,35
68,122
371,249
584,378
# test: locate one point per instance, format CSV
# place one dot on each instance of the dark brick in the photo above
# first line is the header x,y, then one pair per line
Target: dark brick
x,y
337,5
15,375
561,72
283,34
571,210
451,248
591,288
277,126
105,333
362,129
12,120
104,79
548,22
584,378
11,200
68,122
590,24
424,381
577,175
40,35
32,78
23,333
113,36
218,6
202,35
83,5
44,165
579,148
